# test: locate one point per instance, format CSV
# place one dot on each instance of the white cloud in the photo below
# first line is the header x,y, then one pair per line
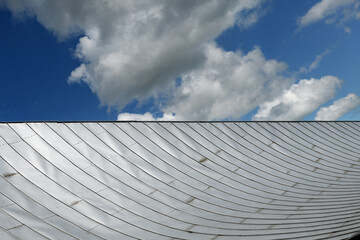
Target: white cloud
x,y
315,63
300,100
250,16
329,8
227,85
144,117
339,108
347,30
135,49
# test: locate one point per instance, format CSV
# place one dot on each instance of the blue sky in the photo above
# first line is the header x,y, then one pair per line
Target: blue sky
x,y
166,60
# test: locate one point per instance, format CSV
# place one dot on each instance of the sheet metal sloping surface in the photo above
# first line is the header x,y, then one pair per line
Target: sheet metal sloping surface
x,y
180,180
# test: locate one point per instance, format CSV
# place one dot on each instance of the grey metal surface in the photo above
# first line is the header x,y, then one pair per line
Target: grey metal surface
x,y
180,180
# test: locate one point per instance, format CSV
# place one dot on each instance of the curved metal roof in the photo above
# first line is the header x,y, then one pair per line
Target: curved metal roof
x,y
180,180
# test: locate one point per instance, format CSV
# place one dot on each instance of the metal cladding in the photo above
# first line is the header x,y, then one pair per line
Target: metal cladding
x,y
179,180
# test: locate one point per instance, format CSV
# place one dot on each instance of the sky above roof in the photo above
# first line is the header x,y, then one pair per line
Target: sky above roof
x,y
179,60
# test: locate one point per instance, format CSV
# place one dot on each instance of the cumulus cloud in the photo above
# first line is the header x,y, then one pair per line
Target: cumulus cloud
x,y
339,108
144,117
330,10
300,100
315,63
135,49
227,85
